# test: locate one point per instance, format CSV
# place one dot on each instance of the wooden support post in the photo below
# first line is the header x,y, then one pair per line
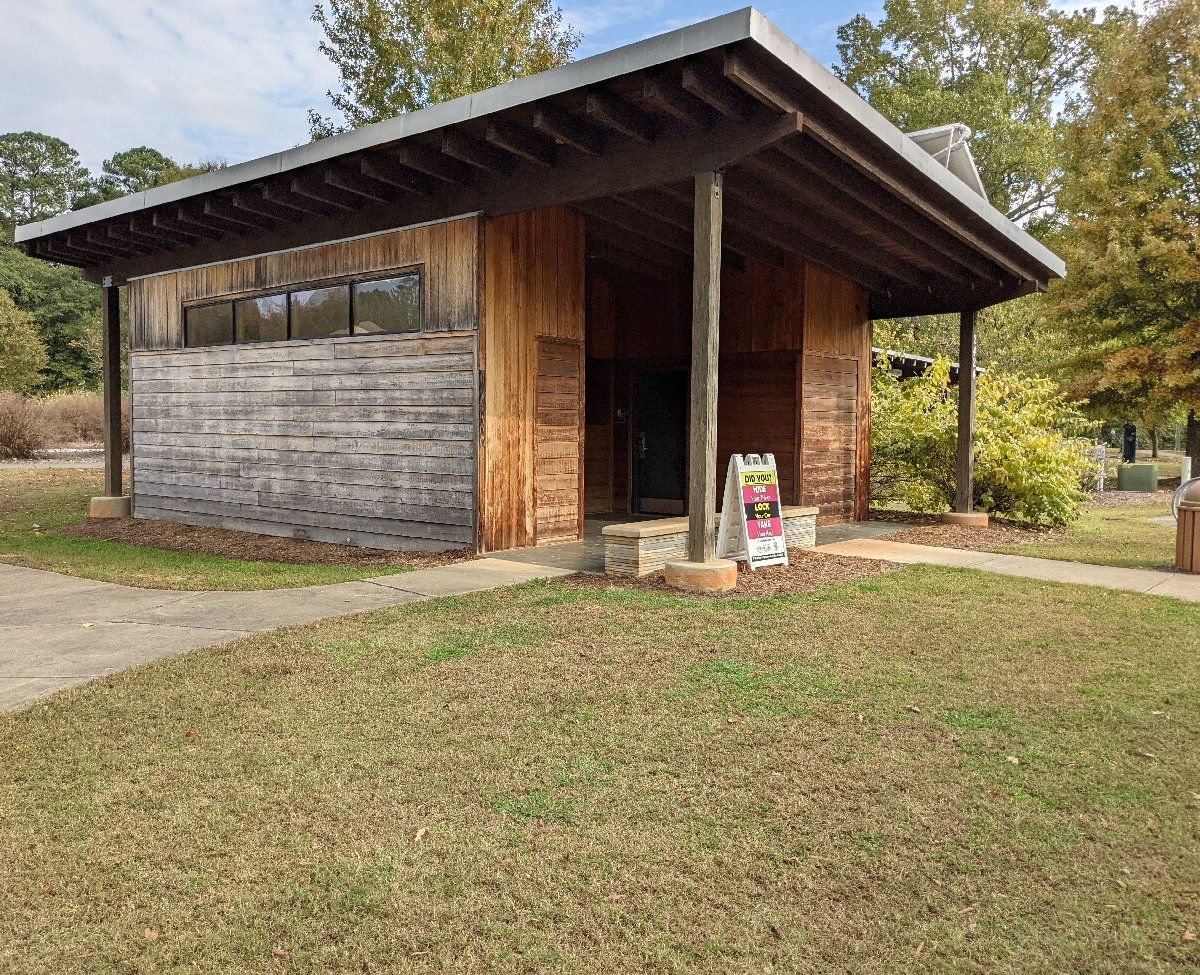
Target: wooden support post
x,y
964,468
706,313
112,390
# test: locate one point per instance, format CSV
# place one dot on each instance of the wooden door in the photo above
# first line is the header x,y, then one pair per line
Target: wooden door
x,y
558,462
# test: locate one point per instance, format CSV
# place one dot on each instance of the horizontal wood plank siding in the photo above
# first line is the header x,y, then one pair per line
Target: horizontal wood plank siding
x,y
559,449
368,441
446,252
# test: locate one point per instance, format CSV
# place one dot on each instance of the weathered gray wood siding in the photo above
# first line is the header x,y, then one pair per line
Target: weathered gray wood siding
x,y
368,440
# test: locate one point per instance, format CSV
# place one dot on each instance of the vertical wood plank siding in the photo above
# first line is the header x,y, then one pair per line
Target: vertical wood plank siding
x,y
836,390
558,461
369,440
533,276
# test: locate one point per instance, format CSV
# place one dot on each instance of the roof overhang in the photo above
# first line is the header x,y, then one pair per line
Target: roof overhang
x,y
811,169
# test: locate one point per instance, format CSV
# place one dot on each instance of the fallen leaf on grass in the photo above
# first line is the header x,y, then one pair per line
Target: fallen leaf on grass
x,y
421,834
1189,935
1013,760
281,952
617,897
1147,754
150,934
87,626
191,733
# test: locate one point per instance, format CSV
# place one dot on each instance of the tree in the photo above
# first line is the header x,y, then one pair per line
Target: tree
x,y
137,170
22,354
1131,305
40,176
397,56
1003,67
66,312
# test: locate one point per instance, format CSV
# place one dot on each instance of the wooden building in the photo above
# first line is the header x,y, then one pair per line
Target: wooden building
x,y
573,294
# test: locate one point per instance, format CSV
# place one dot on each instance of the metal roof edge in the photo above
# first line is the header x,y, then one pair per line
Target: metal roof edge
x,y
685,41
777,43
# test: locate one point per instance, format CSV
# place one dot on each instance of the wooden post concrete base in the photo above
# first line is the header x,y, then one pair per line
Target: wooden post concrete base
x,y
716,575
119,507
972,519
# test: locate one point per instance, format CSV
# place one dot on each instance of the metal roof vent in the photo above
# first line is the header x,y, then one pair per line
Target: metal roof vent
x,y
950,145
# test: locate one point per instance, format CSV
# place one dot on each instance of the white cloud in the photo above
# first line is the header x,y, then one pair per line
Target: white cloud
x,y
193,78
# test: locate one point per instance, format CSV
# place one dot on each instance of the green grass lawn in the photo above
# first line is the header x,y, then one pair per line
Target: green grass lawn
x,y
1110,536
929,771
52,497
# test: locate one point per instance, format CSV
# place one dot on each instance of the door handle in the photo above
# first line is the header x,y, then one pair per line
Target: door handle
x,y
642,449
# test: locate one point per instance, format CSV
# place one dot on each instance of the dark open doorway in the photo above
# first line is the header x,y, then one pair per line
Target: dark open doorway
x,y
660,406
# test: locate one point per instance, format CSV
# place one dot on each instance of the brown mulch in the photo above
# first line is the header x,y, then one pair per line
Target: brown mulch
x,y
1122,499
805,570
996,534
248,547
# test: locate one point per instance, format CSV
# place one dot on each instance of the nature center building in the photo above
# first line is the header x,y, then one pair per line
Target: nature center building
x,y
474,325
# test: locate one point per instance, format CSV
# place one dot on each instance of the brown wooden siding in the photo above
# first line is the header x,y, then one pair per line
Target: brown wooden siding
x,y
756,412
835,404
558,454
369,441
533,285
446,252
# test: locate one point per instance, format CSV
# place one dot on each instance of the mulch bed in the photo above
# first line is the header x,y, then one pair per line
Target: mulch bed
x,y
1123,499
248,547
806,570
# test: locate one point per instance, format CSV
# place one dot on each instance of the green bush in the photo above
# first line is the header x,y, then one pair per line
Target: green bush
x,y
1030,459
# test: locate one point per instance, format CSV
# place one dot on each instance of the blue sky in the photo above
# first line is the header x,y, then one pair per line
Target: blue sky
x,y
233,79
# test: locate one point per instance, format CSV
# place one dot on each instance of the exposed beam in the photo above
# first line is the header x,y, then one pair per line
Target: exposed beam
x,y
294,201
59,250
618,249
522,142
227,211
251,202
620,115
848,183
568,129
90,247
359,184
103,241
660,206
383,170
672,100
964,462
122,234
170,233
652,228
429,161
482,156
192,218
829,235
675,155
706,84
757,83
312,186
706,319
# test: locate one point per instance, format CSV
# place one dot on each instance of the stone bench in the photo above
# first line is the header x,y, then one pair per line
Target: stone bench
x,y
642,547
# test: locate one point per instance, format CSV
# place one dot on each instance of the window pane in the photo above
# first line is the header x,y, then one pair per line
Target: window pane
x,y
261,319
209,324
390,305
321,312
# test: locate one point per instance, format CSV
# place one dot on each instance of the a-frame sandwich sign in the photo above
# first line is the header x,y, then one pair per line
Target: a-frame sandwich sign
x,y
751,514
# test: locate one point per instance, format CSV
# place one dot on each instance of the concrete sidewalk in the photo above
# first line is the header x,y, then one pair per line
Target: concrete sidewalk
x,y
1151,581
57,631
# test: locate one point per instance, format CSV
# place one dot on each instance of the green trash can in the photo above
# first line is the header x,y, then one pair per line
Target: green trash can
x,y
1137,477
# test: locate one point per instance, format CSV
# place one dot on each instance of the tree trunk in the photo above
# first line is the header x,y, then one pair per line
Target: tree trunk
x,y
1191,440
1154,443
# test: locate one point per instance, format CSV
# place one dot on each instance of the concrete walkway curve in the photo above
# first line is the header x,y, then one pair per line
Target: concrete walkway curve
x,y
1154,582
57,631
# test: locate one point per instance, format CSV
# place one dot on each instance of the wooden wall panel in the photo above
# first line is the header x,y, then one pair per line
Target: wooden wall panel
x,y
368,440
835,407
756,412
558,447
533,287
447,252
762,308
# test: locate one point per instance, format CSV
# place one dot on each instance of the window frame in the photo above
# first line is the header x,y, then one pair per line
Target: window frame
x,y
348,280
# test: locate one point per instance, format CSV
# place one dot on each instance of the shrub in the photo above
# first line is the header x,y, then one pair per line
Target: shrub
x,y
22,427
79,418
1030,460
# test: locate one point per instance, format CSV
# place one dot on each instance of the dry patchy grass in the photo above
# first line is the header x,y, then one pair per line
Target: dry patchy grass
x,y
924,771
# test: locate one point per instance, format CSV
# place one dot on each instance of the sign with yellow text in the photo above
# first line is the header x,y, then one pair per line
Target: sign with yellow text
x,y
751,512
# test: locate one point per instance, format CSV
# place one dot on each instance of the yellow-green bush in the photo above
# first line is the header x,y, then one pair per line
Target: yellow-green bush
x,y
1030,461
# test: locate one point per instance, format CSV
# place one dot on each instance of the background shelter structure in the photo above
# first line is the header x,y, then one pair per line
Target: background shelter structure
x,y
575,293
